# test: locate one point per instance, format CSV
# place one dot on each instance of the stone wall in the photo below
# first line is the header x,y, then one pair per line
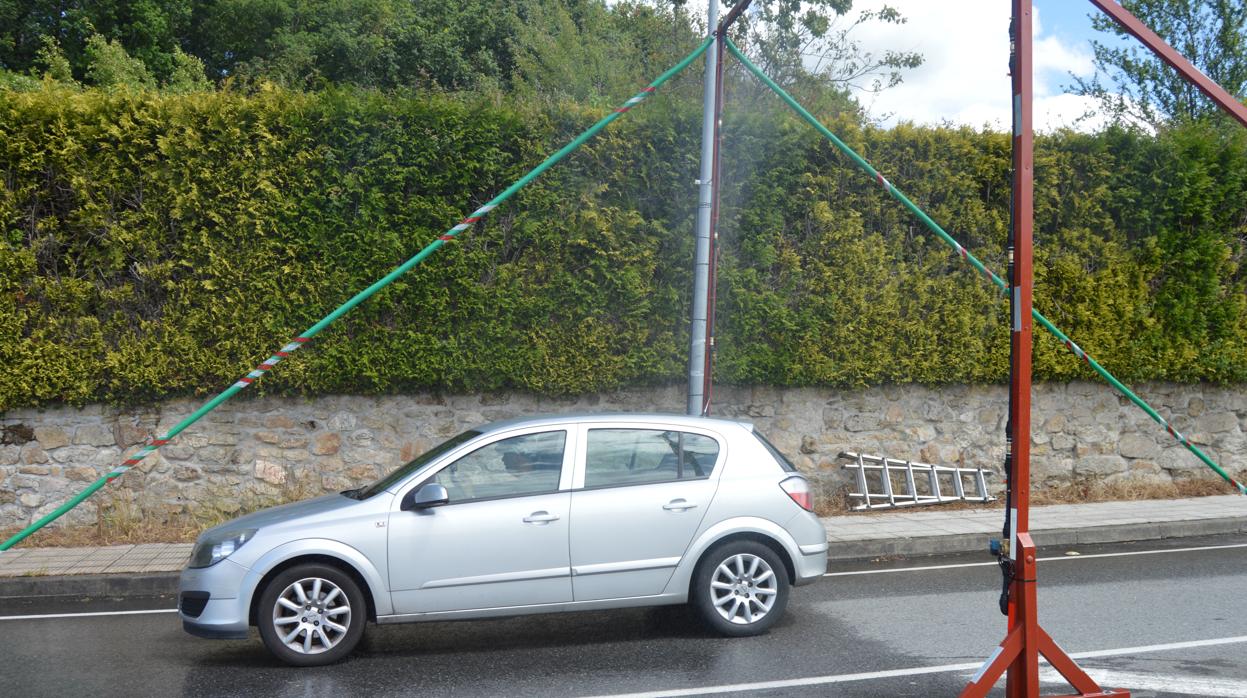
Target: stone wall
x,y
253,452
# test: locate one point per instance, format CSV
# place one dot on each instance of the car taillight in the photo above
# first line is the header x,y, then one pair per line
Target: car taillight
x,y
799,489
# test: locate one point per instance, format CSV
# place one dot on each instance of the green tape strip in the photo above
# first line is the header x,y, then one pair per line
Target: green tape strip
x,y
383,281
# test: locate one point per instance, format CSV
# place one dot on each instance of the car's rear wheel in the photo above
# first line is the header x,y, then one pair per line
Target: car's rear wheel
x,y
740,588
310,615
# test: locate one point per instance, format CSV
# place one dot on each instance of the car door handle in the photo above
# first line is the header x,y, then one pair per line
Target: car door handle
x,y
679,505
540,518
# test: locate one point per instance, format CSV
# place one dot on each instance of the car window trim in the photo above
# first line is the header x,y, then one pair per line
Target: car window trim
x,y
497,498
592,488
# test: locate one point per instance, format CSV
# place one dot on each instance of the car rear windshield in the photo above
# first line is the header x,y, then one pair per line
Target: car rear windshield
x,y
418,462
783,460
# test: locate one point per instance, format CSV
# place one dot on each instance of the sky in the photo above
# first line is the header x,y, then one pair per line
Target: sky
x,y
965,77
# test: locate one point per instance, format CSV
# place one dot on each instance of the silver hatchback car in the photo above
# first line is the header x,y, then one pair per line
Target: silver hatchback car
x,y
526,516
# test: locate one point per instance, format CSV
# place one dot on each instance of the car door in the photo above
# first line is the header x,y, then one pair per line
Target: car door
x,y
639,494
502,538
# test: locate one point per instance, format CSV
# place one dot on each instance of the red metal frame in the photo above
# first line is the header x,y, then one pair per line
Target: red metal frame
x,y
1167,54
1026,639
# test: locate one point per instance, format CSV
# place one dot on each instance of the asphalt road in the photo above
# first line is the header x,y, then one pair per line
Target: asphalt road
x,y
1168,622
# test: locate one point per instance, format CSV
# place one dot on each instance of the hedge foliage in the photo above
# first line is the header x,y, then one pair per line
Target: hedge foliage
x,y
158,245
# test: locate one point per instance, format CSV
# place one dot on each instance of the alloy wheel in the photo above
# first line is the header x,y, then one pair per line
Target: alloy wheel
x,y
311,615
743,589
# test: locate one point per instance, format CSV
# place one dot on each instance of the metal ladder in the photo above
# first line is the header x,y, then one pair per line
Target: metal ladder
x,y
888,499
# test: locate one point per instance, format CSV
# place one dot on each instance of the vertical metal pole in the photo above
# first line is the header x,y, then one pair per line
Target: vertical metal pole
x,y
701,264
1023,678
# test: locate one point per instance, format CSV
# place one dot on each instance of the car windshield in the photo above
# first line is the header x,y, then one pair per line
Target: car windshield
x,y
418,462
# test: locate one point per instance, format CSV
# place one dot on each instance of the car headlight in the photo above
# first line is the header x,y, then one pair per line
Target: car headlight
x,y
213,548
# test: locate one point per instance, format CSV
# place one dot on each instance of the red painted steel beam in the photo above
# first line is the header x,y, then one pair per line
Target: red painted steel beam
x,y
1023,676
1168,54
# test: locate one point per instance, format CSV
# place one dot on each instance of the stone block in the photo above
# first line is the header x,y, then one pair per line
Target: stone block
x,y
279,421
1137,446
1195,406
361,437
1217,422
30,499
267,437
341,421
74,454
186,473
215,455
1054,424
861,422
32,453
10,454
34,470
327,444
1098,465
362,473
94,435
270,472
177,452
81,473
51,437
125,434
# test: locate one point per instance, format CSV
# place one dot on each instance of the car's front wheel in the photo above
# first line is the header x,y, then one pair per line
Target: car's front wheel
x,y
740,588
311,615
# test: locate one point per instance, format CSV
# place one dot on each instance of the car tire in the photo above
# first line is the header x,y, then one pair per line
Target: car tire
x,y
740,588
311,615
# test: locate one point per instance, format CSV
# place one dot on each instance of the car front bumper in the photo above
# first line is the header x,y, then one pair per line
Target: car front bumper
x,y
225,613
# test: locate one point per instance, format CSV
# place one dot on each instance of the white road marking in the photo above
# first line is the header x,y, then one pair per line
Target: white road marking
x,y
915,671
85,615
1184,684
1053,558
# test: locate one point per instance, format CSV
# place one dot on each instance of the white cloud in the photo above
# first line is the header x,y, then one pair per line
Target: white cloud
x,y
965,77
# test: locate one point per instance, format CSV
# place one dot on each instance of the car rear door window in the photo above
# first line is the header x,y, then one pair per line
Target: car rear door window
x,y
636,456
514,467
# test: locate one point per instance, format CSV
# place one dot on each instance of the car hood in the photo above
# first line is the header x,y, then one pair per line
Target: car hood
x,y
288,513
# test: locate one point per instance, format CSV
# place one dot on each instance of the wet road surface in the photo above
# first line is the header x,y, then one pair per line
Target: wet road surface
x,y
1166,623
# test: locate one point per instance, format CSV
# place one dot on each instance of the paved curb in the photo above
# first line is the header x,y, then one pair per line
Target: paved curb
x,y
89,585
128,585
977,542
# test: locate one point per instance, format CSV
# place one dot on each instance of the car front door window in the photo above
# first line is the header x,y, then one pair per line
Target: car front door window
x,y
514,467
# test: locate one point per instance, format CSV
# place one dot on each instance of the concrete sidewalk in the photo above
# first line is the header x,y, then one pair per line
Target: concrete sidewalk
x,y
132,569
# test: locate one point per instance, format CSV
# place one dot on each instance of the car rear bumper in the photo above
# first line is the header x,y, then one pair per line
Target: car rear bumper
x,y
810,565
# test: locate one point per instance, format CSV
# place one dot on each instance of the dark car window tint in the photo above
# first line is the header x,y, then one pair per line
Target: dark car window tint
x,y
638,456
631,456
520,465
700,454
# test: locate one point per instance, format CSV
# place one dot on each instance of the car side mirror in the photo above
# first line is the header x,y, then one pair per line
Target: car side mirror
x,y
430,494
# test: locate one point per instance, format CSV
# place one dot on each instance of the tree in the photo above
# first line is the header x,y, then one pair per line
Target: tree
x,y
148,31
110,66
810,45
1132,84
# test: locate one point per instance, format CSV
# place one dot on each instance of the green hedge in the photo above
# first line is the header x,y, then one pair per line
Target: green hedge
x,y
159,245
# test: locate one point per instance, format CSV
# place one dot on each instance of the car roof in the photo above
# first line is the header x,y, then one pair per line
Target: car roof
x,y
618,417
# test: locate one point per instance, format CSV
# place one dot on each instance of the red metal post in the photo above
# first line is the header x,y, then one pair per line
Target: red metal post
x,y
1024,671
1025,640
1167,54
